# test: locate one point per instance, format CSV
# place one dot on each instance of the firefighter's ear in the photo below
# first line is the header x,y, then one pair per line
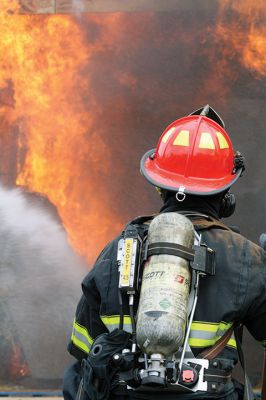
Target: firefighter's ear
x,y
164,194
228,205
158,190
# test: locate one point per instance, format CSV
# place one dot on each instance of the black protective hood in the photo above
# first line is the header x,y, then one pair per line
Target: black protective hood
x,y
209,205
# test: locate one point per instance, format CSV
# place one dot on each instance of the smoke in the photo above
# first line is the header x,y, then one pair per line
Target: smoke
x,y
78,6
39,285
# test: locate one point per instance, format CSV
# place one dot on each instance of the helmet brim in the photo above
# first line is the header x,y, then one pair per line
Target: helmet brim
x,y
172,181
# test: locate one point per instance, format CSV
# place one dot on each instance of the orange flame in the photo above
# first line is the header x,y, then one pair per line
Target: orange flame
x,y
17,367
44,57
244,34
234,39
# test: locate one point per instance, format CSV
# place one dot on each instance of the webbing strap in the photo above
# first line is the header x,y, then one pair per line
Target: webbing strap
x,y
217,375
172,249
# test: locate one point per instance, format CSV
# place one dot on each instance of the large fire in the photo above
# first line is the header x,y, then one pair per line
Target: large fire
x,y
241,24
48,93
233,42
61,153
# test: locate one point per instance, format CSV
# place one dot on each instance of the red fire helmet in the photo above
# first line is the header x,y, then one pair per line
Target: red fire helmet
x,y
194,155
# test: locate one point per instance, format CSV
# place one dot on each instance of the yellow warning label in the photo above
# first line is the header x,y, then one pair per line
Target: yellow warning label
x,y
128,248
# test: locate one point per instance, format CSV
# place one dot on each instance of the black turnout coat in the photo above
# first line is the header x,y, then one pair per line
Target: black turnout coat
x,y
237,292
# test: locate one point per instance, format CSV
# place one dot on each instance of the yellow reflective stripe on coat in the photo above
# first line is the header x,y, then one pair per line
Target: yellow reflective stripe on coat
x,y
112,322
204,334
81,338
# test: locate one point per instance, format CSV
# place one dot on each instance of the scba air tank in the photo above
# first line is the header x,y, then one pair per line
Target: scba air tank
x,y
162,312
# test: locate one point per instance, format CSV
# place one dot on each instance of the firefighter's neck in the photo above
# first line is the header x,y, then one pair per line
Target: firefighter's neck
x,y
198,204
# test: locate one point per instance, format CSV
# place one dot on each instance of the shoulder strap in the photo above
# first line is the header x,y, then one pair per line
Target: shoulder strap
x,y
203,221
200,221
142,219
203,224
139,224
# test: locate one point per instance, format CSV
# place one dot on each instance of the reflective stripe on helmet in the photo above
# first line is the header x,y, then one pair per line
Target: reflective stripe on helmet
x,y
81,338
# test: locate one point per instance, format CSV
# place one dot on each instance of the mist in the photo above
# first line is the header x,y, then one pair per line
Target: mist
x,y
39,288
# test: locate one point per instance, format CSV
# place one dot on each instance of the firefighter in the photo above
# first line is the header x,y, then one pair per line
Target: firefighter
x,y
193,168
